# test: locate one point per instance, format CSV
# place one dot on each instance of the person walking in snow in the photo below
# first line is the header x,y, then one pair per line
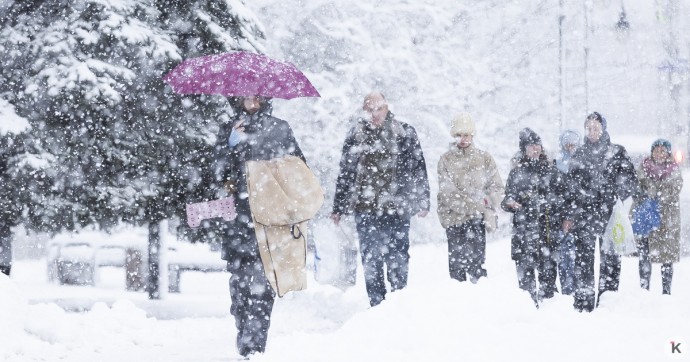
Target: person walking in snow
x,y
534,195
254,135
569,141
661,179
600,172
469,191
383,180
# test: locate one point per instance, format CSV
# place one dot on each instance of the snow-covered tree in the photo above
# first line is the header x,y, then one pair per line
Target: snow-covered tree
x,y
87,75
118,145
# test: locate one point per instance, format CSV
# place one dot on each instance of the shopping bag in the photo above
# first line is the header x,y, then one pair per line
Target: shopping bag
x,y
284,194
222,208
618,235
646,217
335,254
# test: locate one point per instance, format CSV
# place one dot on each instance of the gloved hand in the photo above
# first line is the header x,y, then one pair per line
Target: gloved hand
x,y
230,187
234,138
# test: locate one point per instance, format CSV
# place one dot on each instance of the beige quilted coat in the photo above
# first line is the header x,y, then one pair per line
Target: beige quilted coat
x,y
469,186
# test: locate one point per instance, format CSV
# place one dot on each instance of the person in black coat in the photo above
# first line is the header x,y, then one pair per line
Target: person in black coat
x,y
534,194
253,135
600,172
383,180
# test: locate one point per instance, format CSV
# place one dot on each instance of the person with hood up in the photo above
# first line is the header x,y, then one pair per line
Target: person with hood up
x,y
470,189
661,179
383,180
253,135
600,172
569,142
534,195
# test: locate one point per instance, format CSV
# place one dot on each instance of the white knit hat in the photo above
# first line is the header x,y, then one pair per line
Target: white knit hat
x,y
462,124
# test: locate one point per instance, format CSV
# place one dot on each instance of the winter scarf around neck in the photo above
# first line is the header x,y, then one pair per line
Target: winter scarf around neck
x,y
658,171
599,147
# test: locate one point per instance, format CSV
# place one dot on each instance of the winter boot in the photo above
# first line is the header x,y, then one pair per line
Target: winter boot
x,y
584,301
460,276
547,293
645,264
474,278
609,272
666,277
5,269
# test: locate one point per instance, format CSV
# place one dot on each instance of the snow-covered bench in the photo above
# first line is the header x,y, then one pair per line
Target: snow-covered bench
x,y
183,257
74,258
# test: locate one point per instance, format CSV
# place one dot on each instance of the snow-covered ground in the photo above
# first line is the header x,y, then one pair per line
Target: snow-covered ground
x,y
434,319
496,59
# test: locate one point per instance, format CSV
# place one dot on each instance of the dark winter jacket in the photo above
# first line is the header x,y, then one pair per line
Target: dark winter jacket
x,y
599,173
539,188
267,138
382,170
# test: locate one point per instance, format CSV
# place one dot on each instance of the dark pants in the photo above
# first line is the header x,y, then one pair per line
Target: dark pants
x,y
543,268
252,302
586,234
646,268
383,239
467,250
566,264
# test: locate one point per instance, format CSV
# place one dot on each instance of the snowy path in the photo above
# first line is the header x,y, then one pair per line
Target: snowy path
x,y
434,319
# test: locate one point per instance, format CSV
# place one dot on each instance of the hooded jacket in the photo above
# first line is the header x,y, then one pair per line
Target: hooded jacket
x,y
567,137
539,188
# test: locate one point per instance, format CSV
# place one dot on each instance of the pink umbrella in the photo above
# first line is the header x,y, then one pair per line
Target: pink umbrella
x,y
240,74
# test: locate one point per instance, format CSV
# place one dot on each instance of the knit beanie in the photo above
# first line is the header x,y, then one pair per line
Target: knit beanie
x,y
462,124
663,143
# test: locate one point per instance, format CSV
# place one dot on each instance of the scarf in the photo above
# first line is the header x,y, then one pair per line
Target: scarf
x,y
658,171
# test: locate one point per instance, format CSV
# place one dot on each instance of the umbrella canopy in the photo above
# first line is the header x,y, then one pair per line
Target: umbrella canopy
x,y
240,74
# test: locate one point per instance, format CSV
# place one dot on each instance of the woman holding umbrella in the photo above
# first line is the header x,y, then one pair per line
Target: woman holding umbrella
x,y
249,81
255,135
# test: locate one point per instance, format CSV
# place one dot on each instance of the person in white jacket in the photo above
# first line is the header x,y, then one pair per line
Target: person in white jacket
x,y
470,189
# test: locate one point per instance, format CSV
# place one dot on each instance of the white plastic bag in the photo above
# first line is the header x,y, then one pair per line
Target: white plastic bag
x,y
619,231
335,254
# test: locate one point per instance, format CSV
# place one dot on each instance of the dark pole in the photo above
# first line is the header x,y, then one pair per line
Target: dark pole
x,y
153,285
586,57
561,17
